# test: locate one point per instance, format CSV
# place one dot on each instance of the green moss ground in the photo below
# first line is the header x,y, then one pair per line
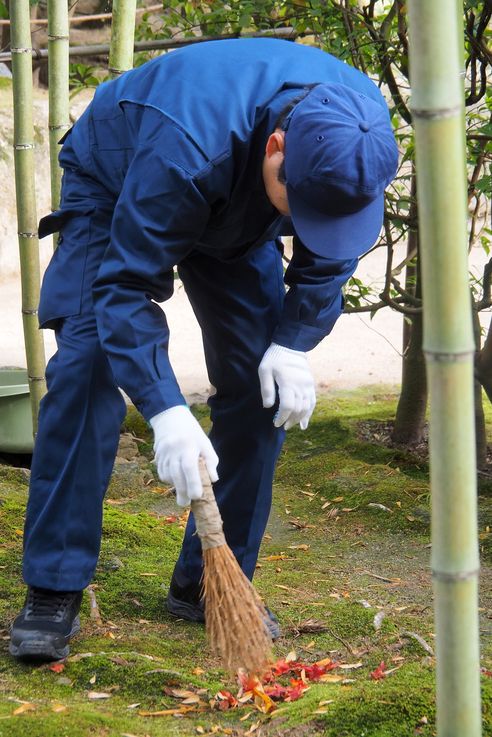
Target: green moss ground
x,y
328,556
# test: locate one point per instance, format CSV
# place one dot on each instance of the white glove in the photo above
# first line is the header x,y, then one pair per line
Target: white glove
x,y
179,441
288,369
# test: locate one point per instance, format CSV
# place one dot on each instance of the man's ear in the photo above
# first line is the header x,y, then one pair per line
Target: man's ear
x,y
275,143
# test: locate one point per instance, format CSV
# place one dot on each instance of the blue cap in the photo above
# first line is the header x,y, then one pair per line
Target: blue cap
x,y
340,155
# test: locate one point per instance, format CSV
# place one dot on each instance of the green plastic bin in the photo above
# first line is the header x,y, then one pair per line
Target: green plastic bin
x,y
16,433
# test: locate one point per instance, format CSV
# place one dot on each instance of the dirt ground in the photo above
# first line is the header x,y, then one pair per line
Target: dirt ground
x,y
344,563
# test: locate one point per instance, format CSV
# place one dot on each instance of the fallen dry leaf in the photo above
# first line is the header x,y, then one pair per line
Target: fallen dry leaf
x,y
378,620
302,546
330,678
253,728
95,695
263,702
350,666
384,508
23,708
58,708
180,693
166,712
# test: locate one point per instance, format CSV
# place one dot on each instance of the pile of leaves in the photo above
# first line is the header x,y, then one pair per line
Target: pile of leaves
x,y
287,680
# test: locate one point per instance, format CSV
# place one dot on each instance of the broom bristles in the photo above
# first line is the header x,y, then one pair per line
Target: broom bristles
x,y
236,619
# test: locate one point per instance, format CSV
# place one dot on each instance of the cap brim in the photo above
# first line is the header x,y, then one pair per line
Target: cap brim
x,y
341,237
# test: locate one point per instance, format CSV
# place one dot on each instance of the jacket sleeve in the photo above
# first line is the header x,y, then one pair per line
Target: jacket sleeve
x,y
314,300
159,216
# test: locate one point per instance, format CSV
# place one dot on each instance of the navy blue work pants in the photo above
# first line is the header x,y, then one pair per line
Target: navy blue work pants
x,y
238,306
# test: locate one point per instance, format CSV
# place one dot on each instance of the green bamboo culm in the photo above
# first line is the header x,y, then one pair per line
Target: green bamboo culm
x,y
59,118
438,115
26,198
122,36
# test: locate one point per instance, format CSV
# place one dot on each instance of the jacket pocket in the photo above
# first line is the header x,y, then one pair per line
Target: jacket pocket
x,y
63,281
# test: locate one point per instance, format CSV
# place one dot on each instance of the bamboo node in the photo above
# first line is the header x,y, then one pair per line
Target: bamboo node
x,y
23,146
447,577
442,357
63,127
53,37
36,378
21,50
29,312
28,235
438,114
117,71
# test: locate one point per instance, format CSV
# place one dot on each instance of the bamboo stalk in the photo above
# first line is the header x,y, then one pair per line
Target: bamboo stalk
x,y
437,109
122,36
59,117
26,198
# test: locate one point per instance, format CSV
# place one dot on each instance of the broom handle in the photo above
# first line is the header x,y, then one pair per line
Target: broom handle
x,y
207,516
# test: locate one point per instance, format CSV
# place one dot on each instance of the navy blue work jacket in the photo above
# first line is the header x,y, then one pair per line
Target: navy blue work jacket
x,y
179,144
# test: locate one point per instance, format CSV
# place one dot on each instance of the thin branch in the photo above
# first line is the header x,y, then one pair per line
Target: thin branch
x,y
486,300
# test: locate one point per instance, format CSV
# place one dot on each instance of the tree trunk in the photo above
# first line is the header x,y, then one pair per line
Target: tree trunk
x,y
5,36
410,414
483,364
480,430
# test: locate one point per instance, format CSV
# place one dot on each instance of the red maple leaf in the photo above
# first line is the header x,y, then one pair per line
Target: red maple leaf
x,y
248,682
225,697
57,667
276,691
296,690
281,667
379,672
315,671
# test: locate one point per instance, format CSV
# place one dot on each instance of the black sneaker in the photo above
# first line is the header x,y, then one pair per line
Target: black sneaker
x,y
185,602
45,625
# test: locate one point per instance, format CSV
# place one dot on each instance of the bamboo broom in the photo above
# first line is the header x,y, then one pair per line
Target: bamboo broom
x,y
235,617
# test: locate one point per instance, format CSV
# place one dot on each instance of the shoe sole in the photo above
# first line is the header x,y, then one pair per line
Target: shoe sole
x,y
40,649
184,610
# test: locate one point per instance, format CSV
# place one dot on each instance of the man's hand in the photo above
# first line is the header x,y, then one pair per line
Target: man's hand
x,y
179,441
288,369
